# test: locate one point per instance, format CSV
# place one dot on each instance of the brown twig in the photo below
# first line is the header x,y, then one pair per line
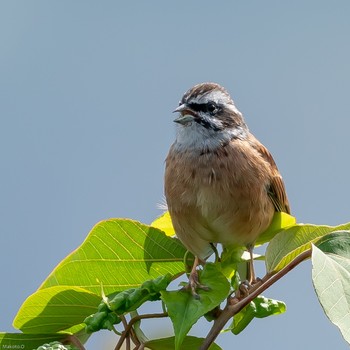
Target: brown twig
x,y
127,335
128,326
71,339
234,305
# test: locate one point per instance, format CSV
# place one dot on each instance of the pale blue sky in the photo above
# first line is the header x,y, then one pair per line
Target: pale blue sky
x,y
86,94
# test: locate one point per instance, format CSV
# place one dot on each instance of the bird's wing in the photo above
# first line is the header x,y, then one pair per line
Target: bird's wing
x,y
277,190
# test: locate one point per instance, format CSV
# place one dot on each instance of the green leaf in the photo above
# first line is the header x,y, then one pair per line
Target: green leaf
x,y
260,307
131,299
164,224
56,346
184,310
243,318
79,332
27,341
189,342
337,242
234,259
331,279
291,242
125,302
55,309
279,222
120,254
101,320
230,258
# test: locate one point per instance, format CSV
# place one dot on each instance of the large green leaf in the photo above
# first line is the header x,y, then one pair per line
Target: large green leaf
x,y
55,309
119,254
331,279
27,341
164,223
279,222
291,242
337,242
168,344
184,310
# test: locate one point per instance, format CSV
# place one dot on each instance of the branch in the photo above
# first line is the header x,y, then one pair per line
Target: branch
x,y
71,339
135,319
234,305
127,335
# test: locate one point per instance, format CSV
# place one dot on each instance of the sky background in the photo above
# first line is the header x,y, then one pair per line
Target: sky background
x,y
87,90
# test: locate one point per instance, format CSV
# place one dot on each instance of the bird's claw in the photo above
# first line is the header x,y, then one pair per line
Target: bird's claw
x,y
245,287
194,284
243,290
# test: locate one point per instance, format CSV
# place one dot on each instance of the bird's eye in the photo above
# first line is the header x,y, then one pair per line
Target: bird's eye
x,y
212,107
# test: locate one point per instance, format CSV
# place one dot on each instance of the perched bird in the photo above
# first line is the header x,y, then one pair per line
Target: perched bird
x,y
221,184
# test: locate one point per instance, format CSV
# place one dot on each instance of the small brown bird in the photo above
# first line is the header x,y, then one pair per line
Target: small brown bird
x,y
221,184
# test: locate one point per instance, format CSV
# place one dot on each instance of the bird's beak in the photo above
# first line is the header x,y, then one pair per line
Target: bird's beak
x,y
186,114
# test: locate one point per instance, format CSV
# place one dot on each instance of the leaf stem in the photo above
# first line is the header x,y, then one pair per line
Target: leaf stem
x,y
235,305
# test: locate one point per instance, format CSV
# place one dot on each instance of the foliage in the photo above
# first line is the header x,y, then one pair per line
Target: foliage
x,y
184,310
110,309
331,276
260,307
55,345
123,264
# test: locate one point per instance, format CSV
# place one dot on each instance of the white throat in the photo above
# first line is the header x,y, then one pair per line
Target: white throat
x,y
196,137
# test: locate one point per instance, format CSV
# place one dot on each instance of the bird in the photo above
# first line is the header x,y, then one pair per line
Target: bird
x,y
221,184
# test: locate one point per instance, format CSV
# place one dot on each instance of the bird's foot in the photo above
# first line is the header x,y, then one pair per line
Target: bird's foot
x,y
245,288
193,280
194,284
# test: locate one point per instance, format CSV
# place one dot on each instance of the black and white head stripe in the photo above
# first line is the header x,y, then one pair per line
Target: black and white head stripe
x,y
213,106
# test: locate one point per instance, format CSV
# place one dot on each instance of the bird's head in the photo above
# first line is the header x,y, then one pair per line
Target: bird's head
x,y
209,105
208,110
